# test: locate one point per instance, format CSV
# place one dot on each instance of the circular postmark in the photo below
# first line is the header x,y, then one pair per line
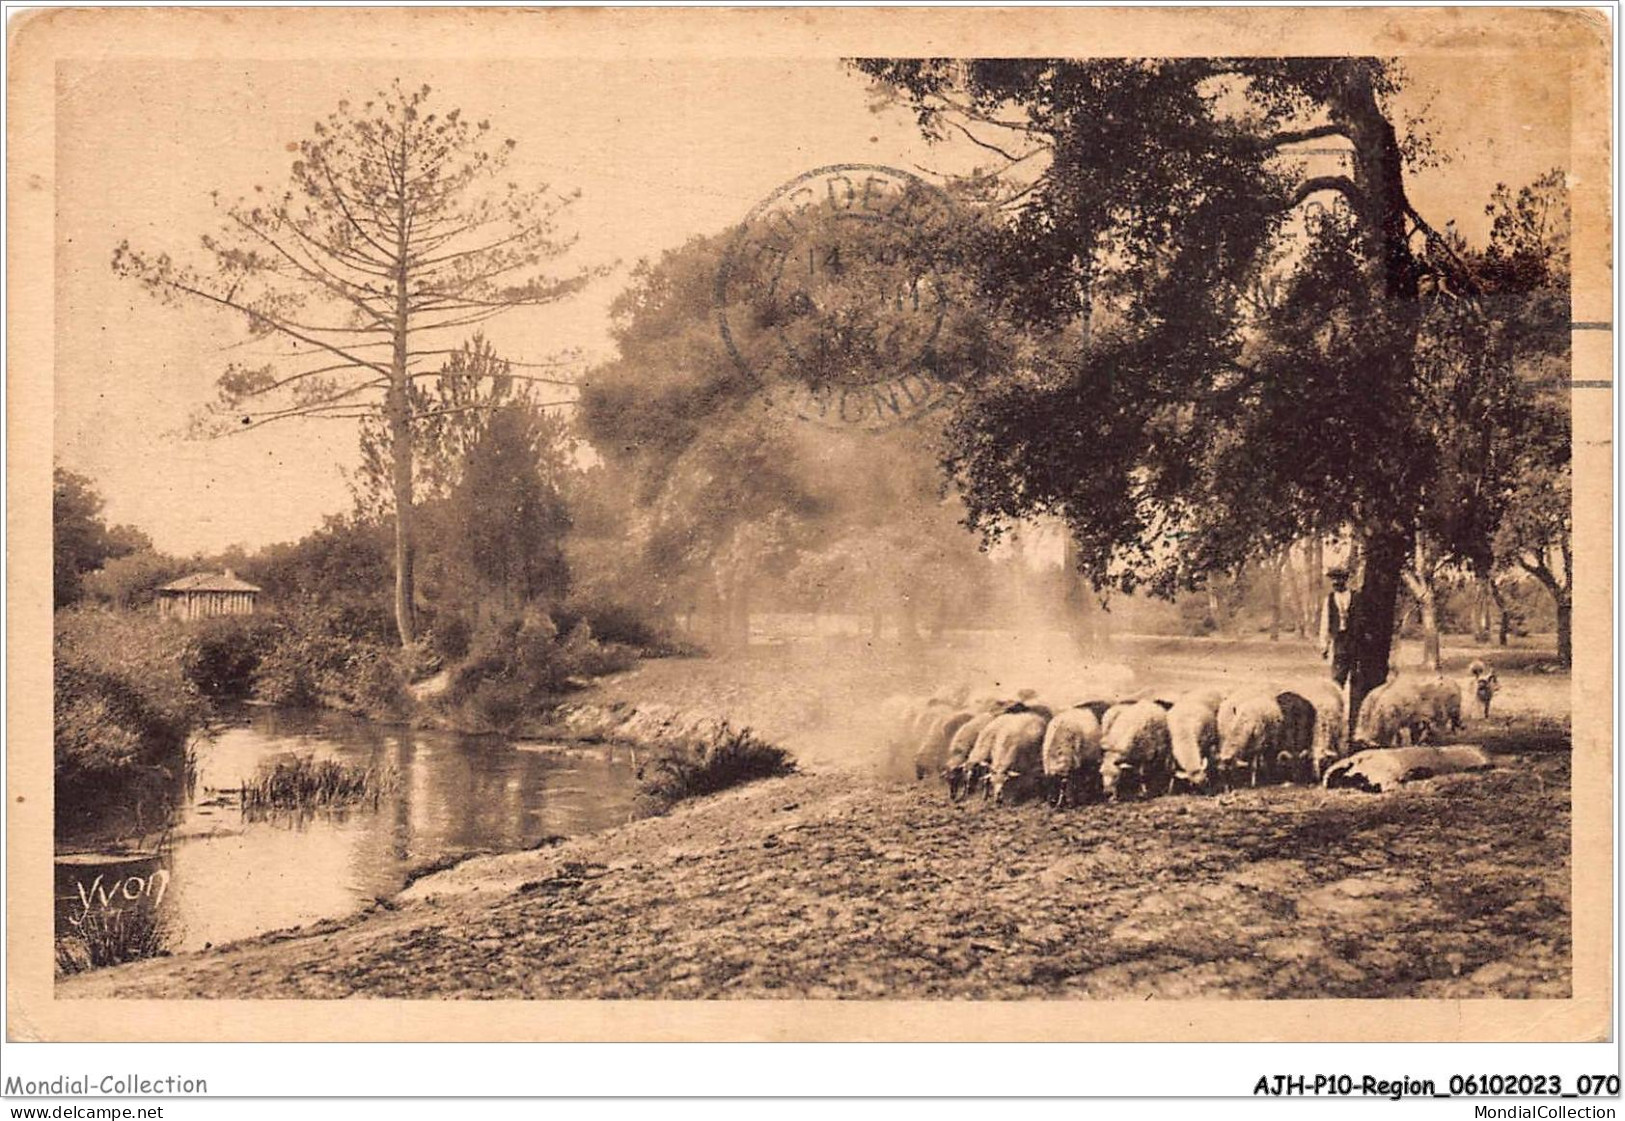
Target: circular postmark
x,y
833,296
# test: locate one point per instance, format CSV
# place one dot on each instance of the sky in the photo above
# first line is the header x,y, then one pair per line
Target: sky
x,y
661,151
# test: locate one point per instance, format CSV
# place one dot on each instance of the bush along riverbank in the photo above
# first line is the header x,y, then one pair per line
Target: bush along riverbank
x,y
125,714
133,690
686,753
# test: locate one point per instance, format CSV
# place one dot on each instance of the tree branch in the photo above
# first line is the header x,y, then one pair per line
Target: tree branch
x,y
491,407
1318,183
1463,274
980,143
1298,136
1540,572
273,324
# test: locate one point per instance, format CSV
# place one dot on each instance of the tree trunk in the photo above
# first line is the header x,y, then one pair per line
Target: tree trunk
x,y
1563,599
1314,584
399,406
1419,578
400,435
1371,626
1276,565
1481,612
1379,201
1296,601
1501,606
1428,602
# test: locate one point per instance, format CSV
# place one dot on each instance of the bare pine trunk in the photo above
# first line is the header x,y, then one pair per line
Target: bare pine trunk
x,y
1314,583
1296,601
400,431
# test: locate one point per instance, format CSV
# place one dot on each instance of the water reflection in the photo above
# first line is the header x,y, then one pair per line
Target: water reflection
x,y
226,875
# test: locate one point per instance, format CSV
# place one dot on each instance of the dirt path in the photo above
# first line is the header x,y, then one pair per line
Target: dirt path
x,y
834,885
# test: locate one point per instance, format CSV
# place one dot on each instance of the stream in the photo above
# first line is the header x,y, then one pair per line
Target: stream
x,y
221,873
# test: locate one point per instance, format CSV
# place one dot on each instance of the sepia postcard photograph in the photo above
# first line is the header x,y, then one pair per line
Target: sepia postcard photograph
x,y
810,524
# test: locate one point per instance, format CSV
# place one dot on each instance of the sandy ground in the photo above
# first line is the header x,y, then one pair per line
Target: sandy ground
x,y
840,883
831,886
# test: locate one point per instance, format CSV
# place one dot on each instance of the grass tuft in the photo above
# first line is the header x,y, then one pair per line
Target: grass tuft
x,y
113,937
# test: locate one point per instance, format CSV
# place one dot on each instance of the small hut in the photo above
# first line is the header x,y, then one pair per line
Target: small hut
x,y
207,594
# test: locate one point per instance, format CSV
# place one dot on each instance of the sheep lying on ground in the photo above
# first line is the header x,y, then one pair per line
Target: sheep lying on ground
x,y
1135,749
1015,744
1071,756
1249,730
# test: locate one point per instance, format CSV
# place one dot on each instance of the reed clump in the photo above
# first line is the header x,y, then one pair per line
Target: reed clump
x,y
305,782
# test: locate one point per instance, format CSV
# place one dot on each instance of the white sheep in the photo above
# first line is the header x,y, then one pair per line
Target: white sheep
x,y
1294,745
1396,713
1331,723
1071,755
956,767
1134,744
1015,753
1443,699
931,755
1249,730
1193,733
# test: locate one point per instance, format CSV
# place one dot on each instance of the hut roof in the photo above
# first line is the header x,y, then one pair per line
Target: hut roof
x,y
209,582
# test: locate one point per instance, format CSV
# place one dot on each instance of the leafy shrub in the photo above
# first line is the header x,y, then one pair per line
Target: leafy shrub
x,y
585,656
221,656
334,657
124,717
611,621
517,662
450,635
678,770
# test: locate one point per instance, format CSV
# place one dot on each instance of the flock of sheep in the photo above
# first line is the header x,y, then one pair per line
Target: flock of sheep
x,y
1200,740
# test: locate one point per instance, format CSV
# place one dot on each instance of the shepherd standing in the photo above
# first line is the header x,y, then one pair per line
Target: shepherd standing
x,y
1335,638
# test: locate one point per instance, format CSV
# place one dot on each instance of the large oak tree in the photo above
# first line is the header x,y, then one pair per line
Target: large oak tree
x,y
1178,423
